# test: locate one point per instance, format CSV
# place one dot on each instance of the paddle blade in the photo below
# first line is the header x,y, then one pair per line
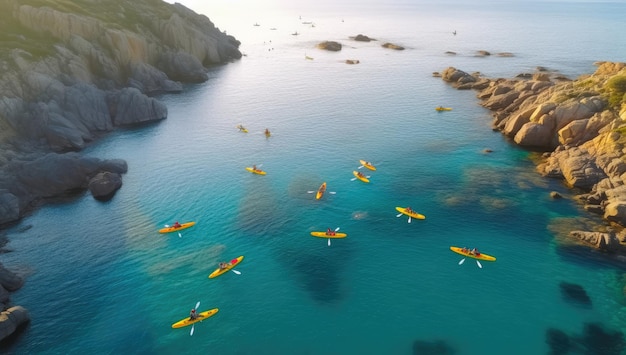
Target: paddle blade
x,y
180,235
192,329
409,219
399,214
479,264
462,261
166,225
352,179
310,192
360,167
337,229
328,241
197,305
332,192
236,272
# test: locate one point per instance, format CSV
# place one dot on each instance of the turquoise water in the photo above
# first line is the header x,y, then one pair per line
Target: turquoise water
x,y
100,279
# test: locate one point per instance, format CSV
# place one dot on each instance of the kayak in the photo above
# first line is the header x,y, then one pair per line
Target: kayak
x,y
256,171
267,134
362,178
174,229
367,165
320,191
410,214
443,108
479,256
201,316
242,129
324,235
231,265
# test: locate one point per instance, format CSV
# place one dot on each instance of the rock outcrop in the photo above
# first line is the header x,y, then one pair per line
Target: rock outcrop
x,y
582,134
69,77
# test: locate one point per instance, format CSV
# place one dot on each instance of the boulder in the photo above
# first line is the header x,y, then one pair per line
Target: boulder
x,y
104,185
393,46
9,280
12,319
330,46
534,135
363,38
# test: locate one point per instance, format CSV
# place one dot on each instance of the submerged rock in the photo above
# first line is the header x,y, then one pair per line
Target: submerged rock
x,y
575,294
558,341
434,347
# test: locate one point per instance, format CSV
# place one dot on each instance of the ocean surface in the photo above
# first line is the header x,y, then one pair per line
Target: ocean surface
x,y
100,279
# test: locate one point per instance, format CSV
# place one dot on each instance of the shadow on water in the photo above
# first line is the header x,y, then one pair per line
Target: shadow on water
x,y
318,271
434,347
594,340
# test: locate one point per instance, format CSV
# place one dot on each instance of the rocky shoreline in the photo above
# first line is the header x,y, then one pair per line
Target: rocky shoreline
x,y
578,126
70,74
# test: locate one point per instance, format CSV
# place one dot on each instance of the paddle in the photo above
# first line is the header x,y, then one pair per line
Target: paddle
x,y
462,261
409,219
193,325
478,263
399,214
236,272
180,235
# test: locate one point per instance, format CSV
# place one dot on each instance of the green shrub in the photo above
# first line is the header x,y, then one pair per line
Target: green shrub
x,y
616,86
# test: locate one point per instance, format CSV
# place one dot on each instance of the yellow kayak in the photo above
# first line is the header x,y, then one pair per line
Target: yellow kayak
x,y
360,176
443,108
325,235
320,191
410,214
231,265
201,316
242,129
367,165
256,171
175,229
478,255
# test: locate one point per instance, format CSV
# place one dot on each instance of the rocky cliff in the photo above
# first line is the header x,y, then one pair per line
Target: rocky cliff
x,y
73,70
580,125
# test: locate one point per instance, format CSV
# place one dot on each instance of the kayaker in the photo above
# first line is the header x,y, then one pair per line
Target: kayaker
x,y
474,252
465,250
176,225
193,315
267,132
223,266
409,210
330,232
254,168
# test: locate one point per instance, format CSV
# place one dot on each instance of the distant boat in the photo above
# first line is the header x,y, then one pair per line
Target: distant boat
x,y
307,57
256,24
273,28
295,33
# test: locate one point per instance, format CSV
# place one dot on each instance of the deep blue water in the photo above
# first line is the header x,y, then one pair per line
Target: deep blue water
x,y
100,279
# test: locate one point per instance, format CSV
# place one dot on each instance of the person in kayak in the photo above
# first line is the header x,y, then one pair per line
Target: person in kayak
x,y
223,265
474,252
409,209
267,132
177,225
193,315
360,174
254,168
330,232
